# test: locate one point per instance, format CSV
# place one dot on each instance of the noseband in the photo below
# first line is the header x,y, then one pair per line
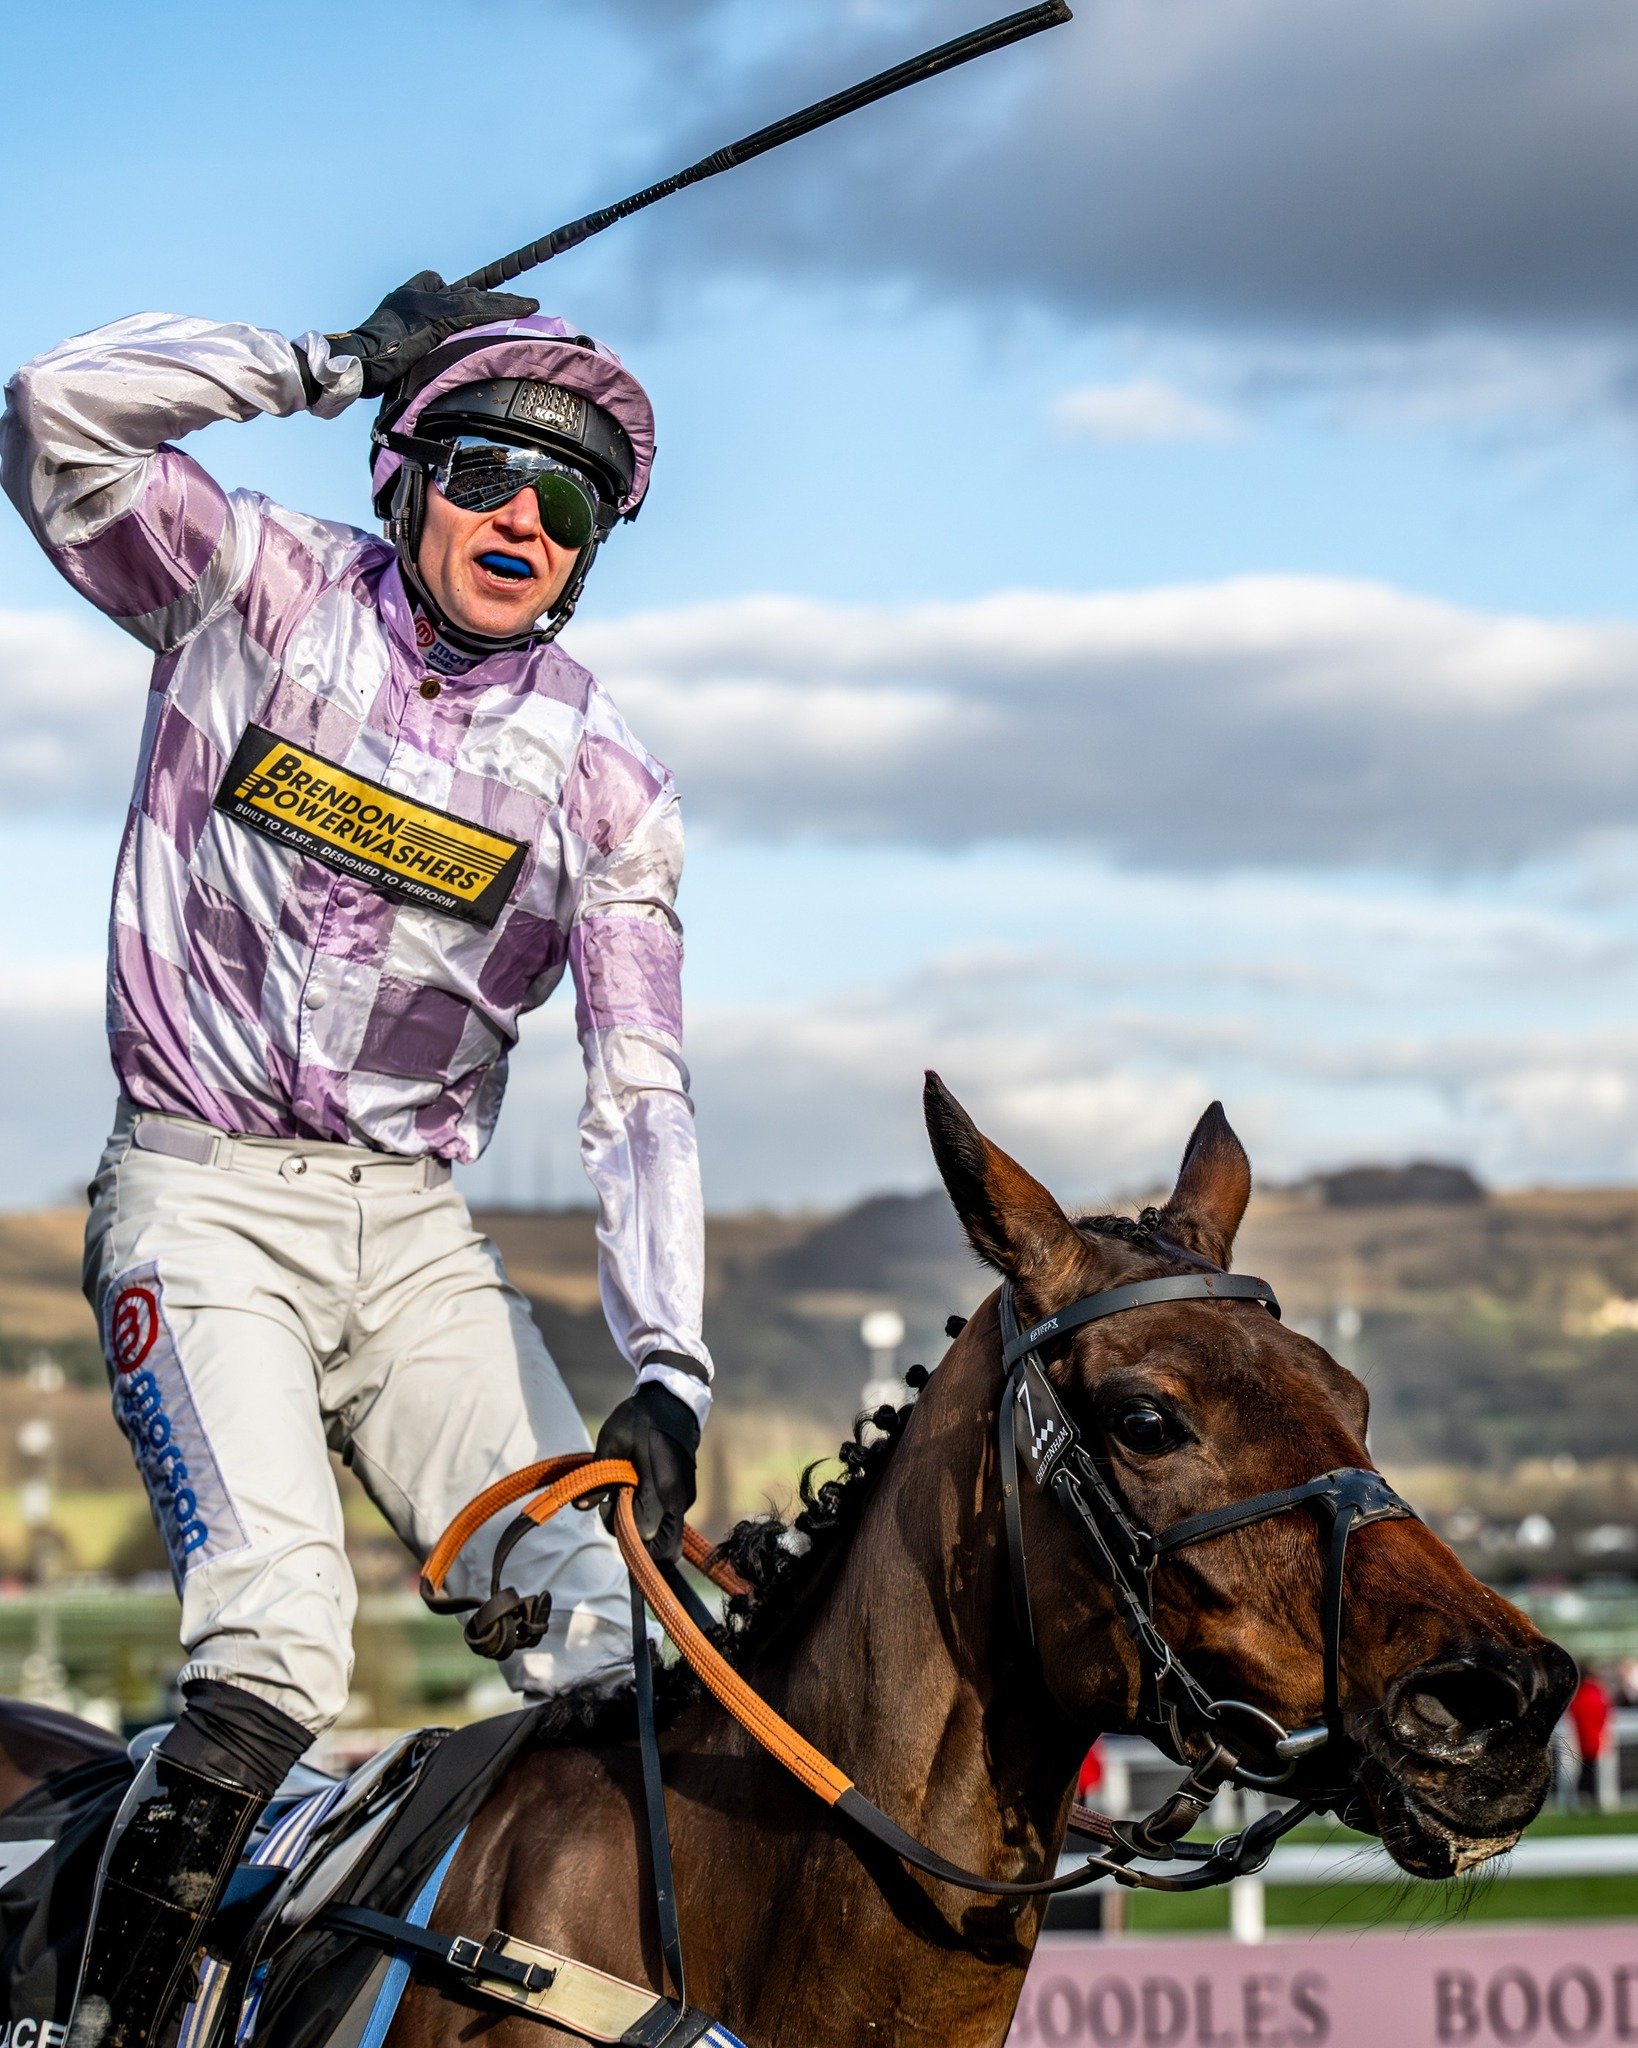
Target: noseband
x,y
1175,1710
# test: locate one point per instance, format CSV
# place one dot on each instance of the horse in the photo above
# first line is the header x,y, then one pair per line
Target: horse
x,y
881,1622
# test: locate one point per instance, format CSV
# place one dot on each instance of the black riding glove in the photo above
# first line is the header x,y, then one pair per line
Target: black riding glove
x,y
411,321
659,1435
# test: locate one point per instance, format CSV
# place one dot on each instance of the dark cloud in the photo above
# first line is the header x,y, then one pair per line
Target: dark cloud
x,y
1308,162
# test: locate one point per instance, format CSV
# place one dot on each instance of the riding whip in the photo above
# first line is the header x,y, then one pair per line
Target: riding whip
x,y
978,42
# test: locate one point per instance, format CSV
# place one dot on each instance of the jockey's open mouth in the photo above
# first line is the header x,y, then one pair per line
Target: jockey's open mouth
x,y
506,568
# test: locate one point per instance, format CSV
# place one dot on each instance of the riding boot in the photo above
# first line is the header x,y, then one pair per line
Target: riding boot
x,y
175,1843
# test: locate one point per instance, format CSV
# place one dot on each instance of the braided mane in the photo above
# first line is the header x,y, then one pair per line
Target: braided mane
x,y
785,1561
1138,1229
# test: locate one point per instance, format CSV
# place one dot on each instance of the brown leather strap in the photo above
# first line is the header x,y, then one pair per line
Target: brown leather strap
x,y
588,1475
477,1511
570,1479
719,1678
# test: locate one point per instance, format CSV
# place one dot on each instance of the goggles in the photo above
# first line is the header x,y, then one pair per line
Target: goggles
x,y
481,476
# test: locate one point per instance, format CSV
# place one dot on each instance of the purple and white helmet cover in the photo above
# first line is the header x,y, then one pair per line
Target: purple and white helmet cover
x,y
549,351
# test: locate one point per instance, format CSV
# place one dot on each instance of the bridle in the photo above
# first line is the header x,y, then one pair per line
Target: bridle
x,y
1174,1709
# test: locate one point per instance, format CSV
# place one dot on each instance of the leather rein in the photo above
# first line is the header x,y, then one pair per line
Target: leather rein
x,y
1033,1426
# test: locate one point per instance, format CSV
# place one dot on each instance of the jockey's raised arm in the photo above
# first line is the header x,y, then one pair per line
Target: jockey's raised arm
x,y
133,522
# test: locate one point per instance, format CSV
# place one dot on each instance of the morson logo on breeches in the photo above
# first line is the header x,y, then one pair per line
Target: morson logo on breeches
x,y
155,1407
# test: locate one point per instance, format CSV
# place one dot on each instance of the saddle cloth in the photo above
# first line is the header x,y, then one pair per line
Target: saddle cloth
x,y
382,1839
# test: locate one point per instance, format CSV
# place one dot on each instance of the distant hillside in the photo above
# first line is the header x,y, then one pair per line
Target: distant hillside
x,y
1487,1329
1390,1187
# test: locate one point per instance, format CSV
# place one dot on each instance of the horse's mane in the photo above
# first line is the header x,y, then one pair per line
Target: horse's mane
x,y
782,1562
1138,1229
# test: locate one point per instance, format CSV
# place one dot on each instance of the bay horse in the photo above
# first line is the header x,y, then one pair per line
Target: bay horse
x,y
880,1623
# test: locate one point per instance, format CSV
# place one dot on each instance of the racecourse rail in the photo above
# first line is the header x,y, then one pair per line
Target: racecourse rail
x,y
1302,1863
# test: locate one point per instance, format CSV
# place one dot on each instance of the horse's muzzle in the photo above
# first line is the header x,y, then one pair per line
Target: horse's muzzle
x,y
1459,1756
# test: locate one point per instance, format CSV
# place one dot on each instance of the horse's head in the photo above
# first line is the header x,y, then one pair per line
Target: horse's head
x,y
1447,1695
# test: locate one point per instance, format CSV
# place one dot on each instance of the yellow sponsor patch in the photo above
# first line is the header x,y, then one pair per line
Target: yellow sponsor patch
x,y
405,848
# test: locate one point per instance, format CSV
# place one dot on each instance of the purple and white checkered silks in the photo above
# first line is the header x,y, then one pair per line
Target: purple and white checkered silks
x,y
260,990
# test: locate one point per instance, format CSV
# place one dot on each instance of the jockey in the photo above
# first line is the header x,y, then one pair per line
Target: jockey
x,y
378,812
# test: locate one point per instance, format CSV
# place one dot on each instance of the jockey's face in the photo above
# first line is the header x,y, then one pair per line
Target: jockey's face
x,y
524,573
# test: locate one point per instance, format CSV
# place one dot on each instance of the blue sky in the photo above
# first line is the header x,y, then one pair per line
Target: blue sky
x,y
1202,446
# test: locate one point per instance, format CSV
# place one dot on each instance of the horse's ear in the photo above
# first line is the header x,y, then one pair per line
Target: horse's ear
x,y
1213,1187
1011,1221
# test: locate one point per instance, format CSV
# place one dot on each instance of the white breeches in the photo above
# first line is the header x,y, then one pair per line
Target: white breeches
x,y
264,1302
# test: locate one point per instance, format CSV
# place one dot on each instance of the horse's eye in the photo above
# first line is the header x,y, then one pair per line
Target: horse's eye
x,y
1141,1426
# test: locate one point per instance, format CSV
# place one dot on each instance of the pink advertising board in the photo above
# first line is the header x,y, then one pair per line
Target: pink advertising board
x,y
1515,1987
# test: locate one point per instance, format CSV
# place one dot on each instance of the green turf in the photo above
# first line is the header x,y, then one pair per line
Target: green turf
x,y
1343,1905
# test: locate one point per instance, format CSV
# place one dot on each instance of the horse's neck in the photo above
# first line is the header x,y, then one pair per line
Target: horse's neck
x,y
910,1676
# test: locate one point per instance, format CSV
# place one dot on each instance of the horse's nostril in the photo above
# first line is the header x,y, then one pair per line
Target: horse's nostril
x,y
1439,1706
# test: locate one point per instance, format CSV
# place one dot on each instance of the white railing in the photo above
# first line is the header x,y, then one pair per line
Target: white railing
x,y
1129,1759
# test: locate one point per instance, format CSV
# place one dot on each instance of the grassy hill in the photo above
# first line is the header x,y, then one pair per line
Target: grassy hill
x,y
1492,1332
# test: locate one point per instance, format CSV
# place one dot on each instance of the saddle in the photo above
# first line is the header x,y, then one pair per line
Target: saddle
x,y
336,1898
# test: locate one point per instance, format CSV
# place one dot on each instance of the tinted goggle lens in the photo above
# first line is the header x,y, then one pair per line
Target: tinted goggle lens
x,y
481,476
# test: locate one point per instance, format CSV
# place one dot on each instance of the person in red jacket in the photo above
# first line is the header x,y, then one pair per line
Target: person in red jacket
x,y
1590,1718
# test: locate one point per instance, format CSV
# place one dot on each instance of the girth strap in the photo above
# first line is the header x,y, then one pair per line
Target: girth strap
x,y
458,1953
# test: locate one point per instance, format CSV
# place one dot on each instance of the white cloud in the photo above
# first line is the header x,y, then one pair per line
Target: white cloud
x,y
1275,719
820,1101
74,689
1337,1023
67,989
1299,721
1480,384
59,1094
1142,409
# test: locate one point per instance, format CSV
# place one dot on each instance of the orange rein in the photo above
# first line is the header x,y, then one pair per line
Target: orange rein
x,y
564,1482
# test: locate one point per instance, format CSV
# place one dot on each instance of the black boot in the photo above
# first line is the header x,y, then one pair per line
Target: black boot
x,y
175,1843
